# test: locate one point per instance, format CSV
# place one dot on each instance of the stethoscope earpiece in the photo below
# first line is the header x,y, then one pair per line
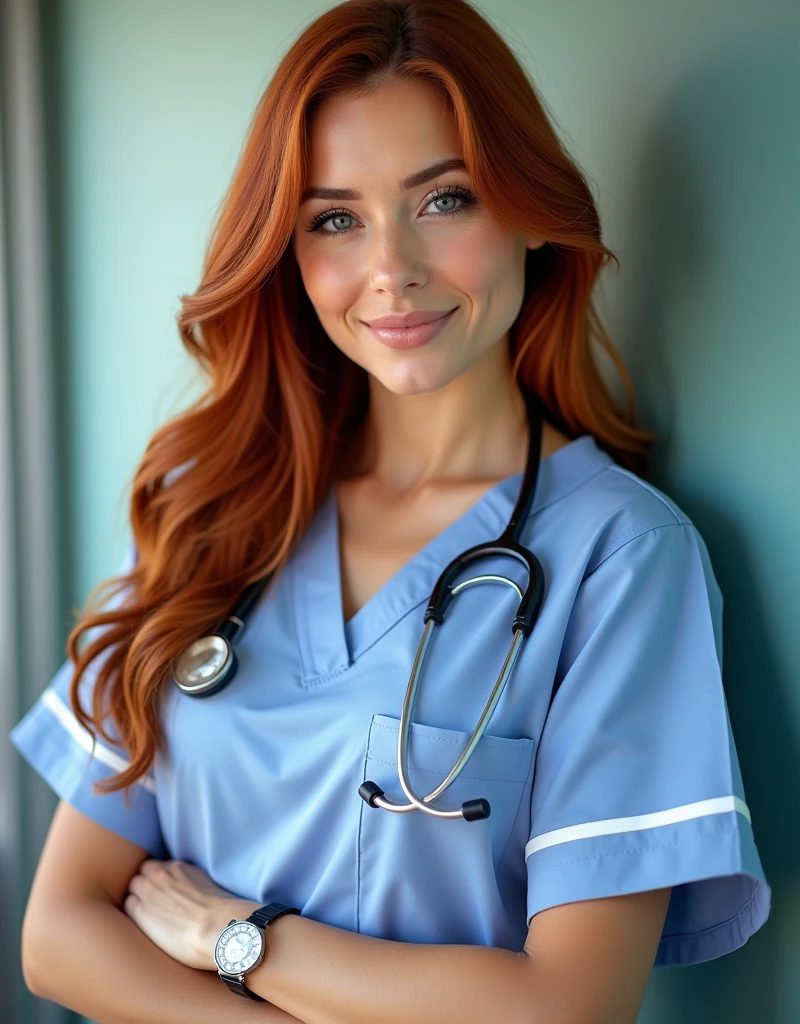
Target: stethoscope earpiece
x,y
471,810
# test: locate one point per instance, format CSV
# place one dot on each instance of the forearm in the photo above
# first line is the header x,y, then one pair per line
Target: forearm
x,y
91,958
325,975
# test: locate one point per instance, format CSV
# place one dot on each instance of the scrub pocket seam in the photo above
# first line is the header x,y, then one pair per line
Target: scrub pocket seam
x,y
461,775
358,840
445,739
519,808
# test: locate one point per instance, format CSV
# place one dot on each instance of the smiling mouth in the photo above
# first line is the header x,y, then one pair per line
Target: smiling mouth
x,y
404,321
411,337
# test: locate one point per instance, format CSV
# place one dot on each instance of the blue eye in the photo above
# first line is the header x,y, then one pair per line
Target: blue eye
x,y
466,198
331,215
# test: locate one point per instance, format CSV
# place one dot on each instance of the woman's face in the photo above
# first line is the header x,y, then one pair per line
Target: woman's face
x,y
392,245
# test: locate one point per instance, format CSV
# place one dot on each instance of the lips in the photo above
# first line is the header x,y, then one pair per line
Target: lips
x,y
416,328
402,321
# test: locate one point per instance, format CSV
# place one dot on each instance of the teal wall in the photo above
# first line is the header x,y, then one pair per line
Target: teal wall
x,y
684,115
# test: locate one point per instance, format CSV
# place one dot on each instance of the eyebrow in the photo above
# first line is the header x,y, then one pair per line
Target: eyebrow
x,y
413,181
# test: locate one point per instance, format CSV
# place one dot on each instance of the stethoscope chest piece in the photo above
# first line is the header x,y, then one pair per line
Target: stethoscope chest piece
x,y
204,667
209,664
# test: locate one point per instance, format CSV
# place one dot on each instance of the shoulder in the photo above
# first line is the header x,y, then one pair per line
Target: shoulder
x,y
623,507
589,508
609,539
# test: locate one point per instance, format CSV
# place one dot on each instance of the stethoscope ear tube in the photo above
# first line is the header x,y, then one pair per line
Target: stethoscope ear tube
x,y
531,600
471,810
508,545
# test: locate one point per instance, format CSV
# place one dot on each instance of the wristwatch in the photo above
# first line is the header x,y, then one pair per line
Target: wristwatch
x,y
240,947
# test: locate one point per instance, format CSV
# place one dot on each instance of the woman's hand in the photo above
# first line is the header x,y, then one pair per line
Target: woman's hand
x,y
181,910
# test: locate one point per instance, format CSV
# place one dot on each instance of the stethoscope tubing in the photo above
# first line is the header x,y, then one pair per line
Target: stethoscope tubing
x,y
422,803
443,594
219,671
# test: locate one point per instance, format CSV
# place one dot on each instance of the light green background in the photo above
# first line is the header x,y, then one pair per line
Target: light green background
x,y
685,117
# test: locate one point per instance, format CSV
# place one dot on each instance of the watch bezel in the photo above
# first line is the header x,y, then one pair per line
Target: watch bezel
x,y
217,947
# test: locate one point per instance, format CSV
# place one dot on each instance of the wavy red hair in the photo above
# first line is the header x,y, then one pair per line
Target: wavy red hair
x,y
258,451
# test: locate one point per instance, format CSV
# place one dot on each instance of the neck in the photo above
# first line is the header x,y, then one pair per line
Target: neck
x,y
474,428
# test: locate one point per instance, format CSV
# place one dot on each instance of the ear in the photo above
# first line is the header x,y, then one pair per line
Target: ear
x,y
535,243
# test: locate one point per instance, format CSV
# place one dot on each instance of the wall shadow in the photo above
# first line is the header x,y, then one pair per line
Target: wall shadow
x,y
744,100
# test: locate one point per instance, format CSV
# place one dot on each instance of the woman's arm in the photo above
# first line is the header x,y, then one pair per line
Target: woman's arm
x,y
80,950
583,963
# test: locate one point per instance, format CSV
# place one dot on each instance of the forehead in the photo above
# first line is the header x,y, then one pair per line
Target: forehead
x,y
394,129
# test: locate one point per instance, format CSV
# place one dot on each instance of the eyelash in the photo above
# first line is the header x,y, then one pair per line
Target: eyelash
x,y
467,197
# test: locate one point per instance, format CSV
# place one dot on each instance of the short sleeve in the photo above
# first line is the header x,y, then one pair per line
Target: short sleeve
x,y
637,783
58,747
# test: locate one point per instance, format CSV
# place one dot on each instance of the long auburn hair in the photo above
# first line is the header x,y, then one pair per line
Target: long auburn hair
x,y
258,451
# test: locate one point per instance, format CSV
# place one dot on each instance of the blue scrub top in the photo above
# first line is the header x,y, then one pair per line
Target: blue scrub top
x,y
632,783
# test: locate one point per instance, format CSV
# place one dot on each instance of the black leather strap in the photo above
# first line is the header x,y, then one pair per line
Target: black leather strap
x,y
235,983
267,914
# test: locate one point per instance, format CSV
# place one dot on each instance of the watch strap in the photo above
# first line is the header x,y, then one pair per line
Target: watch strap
x,y
267,914
235,983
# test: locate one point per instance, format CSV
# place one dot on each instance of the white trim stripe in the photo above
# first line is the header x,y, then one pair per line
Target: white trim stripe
x,y
64,714
613,826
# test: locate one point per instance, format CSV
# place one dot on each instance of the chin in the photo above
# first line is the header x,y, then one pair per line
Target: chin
x,y
414,381
416,374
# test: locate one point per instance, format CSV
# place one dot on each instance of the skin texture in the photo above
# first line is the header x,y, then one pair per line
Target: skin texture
x,y
445,423
584,962
394,250
81,950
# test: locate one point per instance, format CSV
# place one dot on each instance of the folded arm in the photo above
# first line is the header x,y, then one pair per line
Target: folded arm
x,y
79,948
583,963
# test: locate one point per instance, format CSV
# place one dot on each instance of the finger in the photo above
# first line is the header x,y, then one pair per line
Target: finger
x,y
139,885
131,905
190,871
161,875
152,867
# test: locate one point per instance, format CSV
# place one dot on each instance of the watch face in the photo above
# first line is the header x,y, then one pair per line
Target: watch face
x,y
238,948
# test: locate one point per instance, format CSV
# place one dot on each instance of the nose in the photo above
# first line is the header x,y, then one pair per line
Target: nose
x,y
397,261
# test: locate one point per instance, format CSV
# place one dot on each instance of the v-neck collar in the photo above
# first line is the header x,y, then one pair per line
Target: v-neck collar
x,y
328,645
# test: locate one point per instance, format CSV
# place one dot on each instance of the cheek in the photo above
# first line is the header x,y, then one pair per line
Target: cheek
x,y
330,282
484,265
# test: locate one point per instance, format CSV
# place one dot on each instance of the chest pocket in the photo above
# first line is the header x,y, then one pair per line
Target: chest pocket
x,y
441,880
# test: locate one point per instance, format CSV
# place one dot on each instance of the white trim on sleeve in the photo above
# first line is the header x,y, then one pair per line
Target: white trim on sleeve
x,y
613,826
64,714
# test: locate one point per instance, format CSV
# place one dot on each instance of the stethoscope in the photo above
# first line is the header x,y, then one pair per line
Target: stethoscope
x,y
209,664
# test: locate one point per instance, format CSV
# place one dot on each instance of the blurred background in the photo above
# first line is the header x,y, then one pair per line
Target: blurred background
x,y
120,125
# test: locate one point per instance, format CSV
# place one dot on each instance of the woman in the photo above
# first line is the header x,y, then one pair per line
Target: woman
x,y
399,166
